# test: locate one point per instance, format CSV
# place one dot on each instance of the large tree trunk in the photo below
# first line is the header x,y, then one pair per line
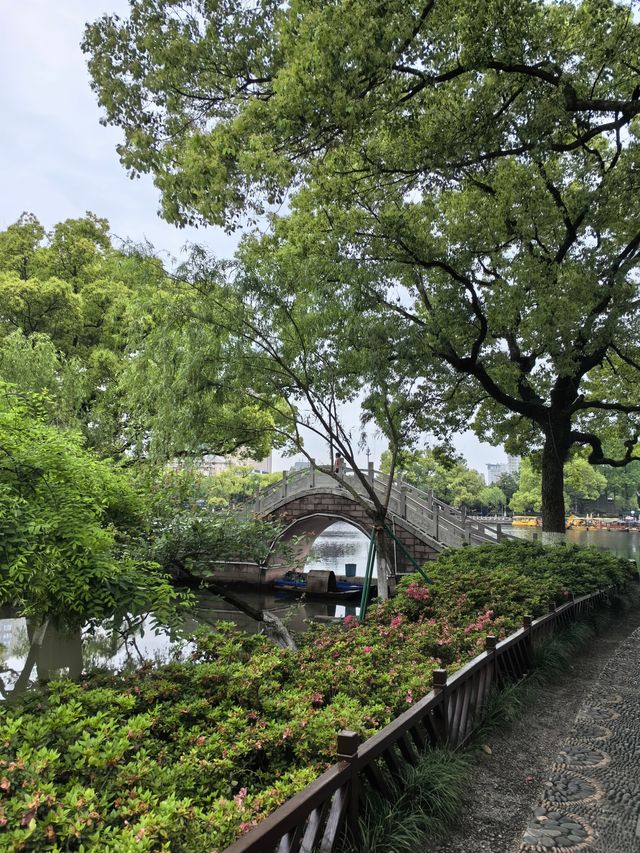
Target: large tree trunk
x,y
554,455
383,565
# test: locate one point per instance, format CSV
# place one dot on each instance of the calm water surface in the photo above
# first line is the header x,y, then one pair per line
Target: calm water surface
x,y
21,662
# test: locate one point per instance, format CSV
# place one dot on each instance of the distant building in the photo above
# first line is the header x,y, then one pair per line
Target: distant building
x,y
300,464
495,470
211,464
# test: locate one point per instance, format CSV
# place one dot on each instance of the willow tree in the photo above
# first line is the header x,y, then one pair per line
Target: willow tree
x,y
474,166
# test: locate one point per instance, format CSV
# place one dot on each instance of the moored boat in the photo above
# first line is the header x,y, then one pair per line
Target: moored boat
x,y
317,583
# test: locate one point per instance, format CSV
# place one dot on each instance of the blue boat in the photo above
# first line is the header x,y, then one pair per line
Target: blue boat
x,y
317,583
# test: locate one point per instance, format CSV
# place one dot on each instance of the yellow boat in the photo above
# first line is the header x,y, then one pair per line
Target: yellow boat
x,y
526,521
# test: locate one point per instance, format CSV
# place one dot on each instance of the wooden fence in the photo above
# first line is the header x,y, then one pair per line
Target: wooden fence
x,y
312,819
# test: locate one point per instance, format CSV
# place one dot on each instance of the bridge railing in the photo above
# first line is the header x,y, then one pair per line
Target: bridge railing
x,y
446,524
431,517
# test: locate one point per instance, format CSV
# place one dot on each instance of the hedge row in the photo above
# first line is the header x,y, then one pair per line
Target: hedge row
x,y
186,756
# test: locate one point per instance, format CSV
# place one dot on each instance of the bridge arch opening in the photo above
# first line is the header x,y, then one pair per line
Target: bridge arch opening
x,y
327,541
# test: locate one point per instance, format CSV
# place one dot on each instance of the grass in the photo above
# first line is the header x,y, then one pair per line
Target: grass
x,y
426,800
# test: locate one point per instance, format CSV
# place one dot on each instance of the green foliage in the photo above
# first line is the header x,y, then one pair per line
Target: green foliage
x,y
528,496
508,580
582,481
447,475
195,752
425,801
118,346
188,525
59,553
508,484
18,245
492,498
237,482
624,485
468,173
181,384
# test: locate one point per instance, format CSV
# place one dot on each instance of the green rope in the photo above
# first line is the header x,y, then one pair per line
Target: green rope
x,y
408,555
367,576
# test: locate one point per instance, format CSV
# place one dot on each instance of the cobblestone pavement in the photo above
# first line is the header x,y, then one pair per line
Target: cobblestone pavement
x,y
591,798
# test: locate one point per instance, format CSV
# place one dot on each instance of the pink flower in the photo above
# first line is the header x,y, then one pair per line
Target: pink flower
x,y
367,649
239,798
417,592
397,620
409,697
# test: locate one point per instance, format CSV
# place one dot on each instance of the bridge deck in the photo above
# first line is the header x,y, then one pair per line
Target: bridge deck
x,y
437,523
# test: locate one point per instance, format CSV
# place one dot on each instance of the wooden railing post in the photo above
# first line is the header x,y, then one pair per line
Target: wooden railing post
x,y
554,622
284,484
436,521
490,642
498,532
348,743
528,638
439,677
313,473
371,472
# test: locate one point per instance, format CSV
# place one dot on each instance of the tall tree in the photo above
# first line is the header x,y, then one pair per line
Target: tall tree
x,y
474,168
64,516
298,358
582,481
96,328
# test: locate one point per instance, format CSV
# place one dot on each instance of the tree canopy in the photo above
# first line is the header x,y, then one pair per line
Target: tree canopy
x,y
116,345
582,481
62,515
472,169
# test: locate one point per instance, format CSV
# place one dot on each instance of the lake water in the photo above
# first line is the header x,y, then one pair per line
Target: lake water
x,y
21,663
130,644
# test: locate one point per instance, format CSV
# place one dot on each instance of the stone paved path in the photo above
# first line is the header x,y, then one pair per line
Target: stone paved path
x,y
591,798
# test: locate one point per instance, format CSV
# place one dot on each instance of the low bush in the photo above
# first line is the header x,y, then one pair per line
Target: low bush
x,y
188,755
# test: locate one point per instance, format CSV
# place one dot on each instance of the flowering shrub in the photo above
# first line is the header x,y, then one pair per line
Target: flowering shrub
x,y
189,755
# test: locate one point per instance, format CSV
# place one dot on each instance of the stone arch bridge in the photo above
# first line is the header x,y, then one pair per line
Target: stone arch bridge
x,y
310,500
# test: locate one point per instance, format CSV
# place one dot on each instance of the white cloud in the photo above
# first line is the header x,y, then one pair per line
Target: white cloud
x,y
56,160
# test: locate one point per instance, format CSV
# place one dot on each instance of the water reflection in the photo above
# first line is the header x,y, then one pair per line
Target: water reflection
x,y
339,544
29,655
33,652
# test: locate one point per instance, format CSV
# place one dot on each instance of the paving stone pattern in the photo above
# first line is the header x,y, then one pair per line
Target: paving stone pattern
x,y
591,799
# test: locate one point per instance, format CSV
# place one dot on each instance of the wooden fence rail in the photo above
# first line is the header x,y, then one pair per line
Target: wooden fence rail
x,y
312,819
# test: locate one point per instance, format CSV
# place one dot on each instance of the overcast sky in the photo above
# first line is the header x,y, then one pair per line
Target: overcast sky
x,y
57,161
